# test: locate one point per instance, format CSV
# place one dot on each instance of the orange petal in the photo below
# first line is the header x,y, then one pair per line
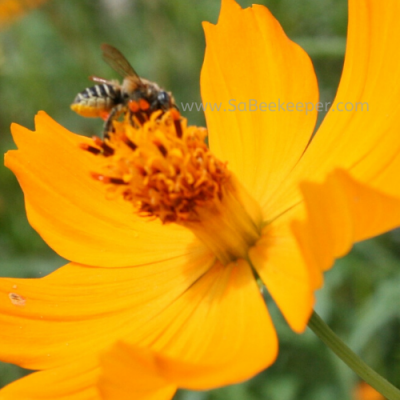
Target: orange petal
x,y
249,57
342,211
128,374
72,381
132,372
280,264
80,310
218,333
221,321
364,141
187,309
70,211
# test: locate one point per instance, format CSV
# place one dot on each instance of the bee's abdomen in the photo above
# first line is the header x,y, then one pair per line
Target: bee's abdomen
x,y
96,100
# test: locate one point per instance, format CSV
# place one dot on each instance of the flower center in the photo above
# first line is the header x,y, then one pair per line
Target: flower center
x,y
165,169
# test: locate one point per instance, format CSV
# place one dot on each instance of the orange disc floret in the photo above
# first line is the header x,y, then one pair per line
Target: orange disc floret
x,y
163,167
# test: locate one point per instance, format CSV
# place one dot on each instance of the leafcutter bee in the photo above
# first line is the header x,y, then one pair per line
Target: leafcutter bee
x,y
109,99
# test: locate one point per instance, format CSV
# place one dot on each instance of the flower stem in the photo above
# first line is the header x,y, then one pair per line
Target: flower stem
x,y
322,330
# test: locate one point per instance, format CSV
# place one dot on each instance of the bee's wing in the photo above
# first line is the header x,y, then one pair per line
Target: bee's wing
x,y
117,61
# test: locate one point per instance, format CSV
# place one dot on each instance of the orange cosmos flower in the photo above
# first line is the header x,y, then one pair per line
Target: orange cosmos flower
x,y
363,391
164,235
11,9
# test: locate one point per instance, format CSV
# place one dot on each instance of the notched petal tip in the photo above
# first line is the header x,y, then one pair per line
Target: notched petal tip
x,y
15,126
207,26
8,156
227,8
40,118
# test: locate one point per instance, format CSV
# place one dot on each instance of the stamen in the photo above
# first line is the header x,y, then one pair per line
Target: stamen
x,y
100,177
90,149
162,149
140,116
108,179
107,150
177,122
129,143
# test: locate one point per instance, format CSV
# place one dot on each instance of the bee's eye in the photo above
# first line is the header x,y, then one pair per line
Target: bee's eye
x,y
163,97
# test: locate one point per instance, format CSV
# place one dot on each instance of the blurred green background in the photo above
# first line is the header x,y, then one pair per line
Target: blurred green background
x,y
46,57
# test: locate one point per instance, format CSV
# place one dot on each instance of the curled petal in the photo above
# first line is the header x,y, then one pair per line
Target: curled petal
x,y
363,140
340,212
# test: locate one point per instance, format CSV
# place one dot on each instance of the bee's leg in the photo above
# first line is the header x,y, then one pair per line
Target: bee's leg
x,y
108,123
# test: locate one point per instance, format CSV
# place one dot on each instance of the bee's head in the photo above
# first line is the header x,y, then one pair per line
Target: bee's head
x,y
165,100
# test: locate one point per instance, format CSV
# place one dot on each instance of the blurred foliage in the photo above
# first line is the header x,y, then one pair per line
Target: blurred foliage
x,y
45,59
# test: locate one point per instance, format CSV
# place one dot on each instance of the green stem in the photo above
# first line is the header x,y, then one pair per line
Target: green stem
x,y
322,330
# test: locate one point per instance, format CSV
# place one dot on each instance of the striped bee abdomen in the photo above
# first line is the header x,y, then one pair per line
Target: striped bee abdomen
x,y
97,100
